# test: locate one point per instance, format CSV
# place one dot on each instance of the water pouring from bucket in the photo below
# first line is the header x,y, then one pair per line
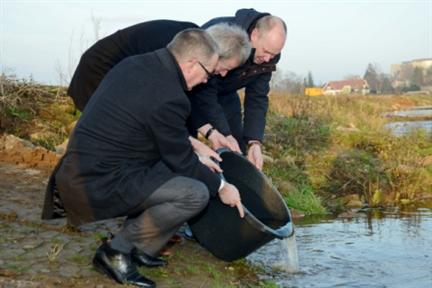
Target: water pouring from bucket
x,y
290,261
229,237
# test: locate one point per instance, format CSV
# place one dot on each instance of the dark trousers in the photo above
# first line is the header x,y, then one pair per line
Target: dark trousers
x,y
151,224
232,110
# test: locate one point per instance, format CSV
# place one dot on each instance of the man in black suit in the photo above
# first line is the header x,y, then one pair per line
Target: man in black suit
x,y
216,111
130,155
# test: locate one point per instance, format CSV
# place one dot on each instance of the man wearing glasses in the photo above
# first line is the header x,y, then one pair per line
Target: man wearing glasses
x,y
130,155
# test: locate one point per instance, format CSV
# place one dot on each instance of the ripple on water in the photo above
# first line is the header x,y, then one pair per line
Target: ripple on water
x,y
393,250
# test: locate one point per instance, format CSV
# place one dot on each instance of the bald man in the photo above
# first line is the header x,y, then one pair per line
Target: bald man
x,y
216,109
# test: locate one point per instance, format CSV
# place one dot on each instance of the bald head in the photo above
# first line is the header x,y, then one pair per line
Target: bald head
x,y
268,38
271,22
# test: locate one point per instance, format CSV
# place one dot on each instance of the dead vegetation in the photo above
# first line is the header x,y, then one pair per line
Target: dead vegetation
x,y
39,113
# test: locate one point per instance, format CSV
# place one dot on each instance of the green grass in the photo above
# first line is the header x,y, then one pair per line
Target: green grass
x,y
304,199
337,146
18,113
79,259
267,284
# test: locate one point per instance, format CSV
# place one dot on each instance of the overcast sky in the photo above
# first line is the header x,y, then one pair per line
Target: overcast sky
x,y
332,39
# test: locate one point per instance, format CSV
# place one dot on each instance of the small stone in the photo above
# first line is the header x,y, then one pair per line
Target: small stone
x,y
29,246
60,149
69,270
48,234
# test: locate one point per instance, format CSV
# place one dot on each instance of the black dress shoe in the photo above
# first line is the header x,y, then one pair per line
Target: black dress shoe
x,y
119,266
142,259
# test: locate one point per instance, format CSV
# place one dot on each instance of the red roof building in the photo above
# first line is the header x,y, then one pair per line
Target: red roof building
x,y
356,85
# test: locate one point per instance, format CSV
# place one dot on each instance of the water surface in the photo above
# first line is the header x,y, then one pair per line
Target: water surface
x,y
405,127
374,249
425,111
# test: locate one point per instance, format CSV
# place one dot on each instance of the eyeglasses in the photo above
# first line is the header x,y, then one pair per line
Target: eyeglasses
x,y
209,74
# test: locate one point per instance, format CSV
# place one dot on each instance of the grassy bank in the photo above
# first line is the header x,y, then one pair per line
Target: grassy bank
x,y
45,115
332,152
325,153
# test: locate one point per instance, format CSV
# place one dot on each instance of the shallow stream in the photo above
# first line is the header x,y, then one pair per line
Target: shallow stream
x,y
373,249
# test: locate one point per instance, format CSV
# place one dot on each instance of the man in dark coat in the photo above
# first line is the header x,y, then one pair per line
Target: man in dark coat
x,y
147,37
109,51
130,155
216,110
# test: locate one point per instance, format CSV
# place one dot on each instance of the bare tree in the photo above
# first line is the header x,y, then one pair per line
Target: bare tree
x,y
371,76
385,83
287,82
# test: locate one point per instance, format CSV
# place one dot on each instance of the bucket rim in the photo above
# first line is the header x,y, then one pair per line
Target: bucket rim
x,y
282,232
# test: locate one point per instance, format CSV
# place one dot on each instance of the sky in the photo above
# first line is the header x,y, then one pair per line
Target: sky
x,y
332,39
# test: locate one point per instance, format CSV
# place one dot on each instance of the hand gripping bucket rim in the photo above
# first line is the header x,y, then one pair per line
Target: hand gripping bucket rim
x,y
220,229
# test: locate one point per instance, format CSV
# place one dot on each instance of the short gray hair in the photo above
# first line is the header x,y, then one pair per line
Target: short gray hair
x,y
268,22
193,43
233,41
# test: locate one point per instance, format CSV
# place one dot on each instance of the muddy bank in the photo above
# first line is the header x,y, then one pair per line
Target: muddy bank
x,y
17,151
36,253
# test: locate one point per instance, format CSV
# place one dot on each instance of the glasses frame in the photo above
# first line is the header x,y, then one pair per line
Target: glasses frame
x,y
209,74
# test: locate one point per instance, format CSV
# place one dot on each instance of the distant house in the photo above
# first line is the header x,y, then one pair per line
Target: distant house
x,y
356,85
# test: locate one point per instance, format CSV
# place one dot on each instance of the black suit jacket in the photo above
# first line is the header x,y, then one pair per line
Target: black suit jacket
x,y
130,139
109,51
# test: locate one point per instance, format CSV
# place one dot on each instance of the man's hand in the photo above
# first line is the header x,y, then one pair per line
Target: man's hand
x,y
234,144
203,150
209,163
229,195
255,155
218,141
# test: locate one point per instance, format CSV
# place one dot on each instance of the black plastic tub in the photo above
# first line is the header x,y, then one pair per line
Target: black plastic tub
x,y
219,227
